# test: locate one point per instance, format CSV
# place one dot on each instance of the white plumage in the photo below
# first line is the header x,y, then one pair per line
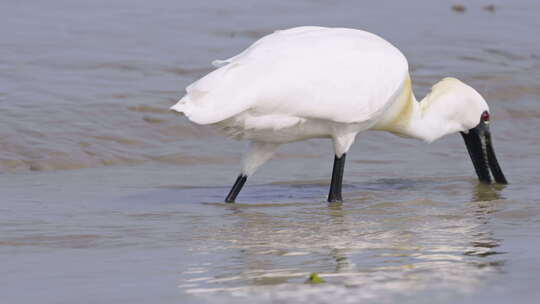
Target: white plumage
x,y
301,73
316,82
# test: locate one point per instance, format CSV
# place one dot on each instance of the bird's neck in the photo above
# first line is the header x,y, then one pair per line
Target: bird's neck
x,y
409,118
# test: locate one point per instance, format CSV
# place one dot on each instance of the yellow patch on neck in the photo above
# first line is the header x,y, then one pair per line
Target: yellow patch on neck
x,y
407,100
399,115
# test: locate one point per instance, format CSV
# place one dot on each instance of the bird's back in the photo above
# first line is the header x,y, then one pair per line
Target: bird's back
x,y
335,74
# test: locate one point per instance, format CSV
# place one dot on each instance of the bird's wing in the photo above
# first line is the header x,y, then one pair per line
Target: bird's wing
x,y
335,74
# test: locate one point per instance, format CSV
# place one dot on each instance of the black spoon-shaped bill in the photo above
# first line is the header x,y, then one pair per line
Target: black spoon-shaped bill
x,y
480,148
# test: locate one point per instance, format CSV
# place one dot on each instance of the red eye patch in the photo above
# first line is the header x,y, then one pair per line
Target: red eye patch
x,y
485,116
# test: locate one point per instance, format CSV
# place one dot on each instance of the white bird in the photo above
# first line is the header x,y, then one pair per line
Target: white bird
x,y
316,82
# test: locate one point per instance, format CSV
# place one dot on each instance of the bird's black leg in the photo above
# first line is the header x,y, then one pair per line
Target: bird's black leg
x,y
240,181
337,177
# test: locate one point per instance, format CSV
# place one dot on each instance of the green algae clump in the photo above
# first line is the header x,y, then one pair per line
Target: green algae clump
x,y
315,279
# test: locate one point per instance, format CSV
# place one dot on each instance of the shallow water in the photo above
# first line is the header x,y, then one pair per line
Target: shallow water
x,y
109,197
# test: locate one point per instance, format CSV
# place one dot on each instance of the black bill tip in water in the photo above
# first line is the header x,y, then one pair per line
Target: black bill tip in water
x,y
496,170
480,147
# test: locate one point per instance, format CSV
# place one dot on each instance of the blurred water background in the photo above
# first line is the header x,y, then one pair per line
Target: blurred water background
x,y
107,197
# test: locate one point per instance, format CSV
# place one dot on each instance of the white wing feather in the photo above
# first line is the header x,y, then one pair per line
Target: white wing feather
x,y
335,74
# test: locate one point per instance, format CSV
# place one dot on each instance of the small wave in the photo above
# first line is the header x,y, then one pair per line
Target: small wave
x,y
187,71
251,34
116,139
505,54
63,241
91,159
182,159
149,109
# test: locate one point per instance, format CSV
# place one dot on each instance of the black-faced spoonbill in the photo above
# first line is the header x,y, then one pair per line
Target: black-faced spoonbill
x,y
316,82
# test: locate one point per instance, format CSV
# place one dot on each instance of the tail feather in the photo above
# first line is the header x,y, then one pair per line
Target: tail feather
x,y
216,96
179,106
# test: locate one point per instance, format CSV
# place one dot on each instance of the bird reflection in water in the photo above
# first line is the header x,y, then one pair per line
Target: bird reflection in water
x,y
409,245
483,204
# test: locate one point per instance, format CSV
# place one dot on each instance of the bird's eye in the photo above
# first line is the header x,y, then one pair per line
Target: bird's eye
x,y
485,116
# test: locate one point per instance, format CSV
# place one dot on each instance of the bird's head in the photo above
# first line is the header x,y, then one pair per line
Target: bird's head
x,y
464,110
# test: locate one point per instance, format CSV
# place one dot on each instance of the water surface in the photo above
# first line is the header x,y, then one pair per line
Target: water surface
x,y
109,197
